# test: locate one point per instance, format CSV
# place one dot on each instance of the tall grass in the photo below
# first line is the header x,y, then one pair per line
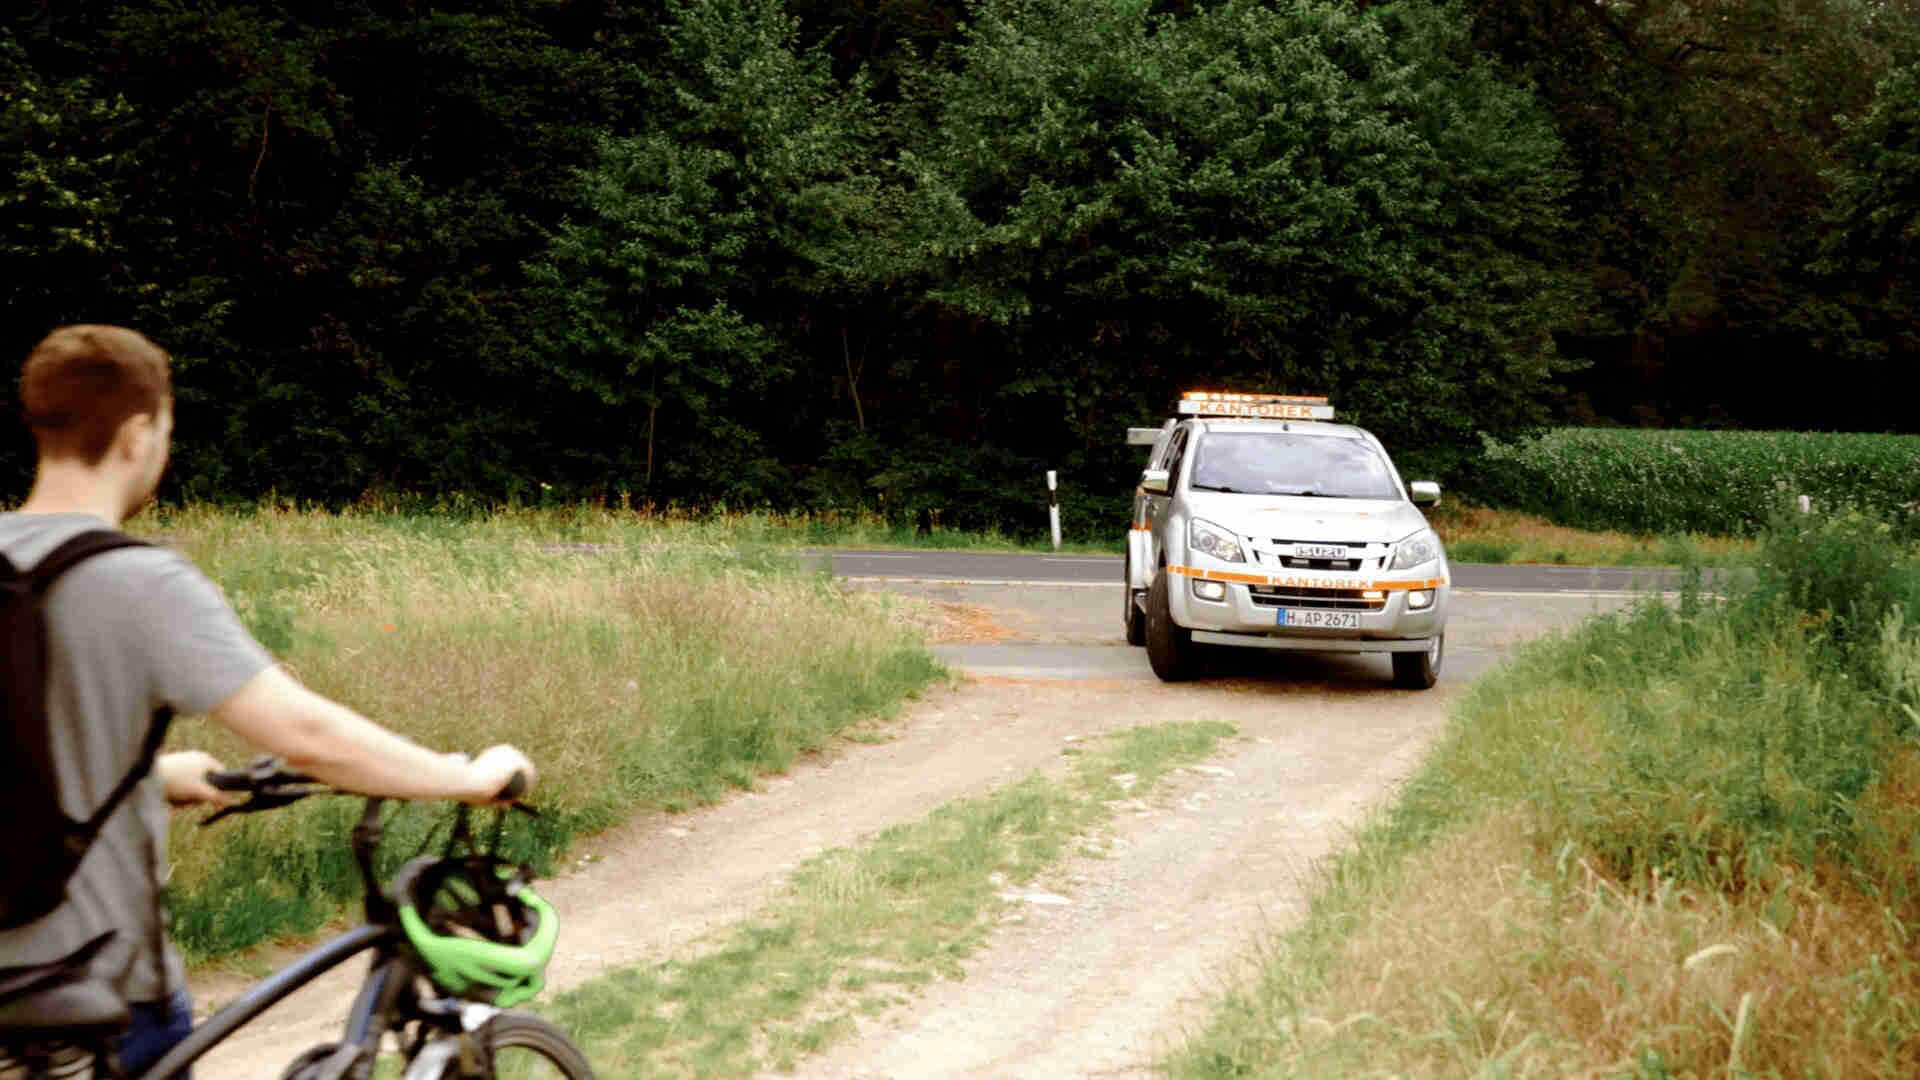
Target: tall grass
x,y
660,668
1679,841
448,515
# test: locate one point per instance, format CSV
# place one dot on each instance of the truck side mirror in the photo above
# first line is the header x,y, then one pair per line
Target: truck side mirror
x,y
1156,481
1425,492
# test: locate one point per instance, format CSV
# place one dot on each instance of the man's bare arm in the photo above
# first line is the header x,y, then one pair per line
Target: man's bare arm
x,y
339,747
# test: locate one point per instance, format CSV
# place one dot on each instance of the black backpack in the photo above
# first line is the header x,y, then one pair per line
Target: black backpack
x,y
45,845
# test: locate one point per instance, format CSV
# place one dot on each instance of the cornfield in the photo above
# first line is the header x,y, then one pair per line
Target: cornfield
x,y
1722,483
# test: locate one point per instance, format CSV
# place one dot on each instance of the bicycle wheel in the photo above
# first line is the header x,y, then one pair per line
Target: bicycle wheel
x,y
525,1047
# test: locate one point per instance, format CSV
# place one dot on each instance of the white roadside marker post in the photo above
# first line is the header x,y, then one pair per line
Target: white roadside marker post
x,y
1053,505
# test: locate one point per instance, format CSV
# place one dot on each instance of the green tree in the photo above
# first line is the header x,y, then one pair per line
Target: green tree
x,y
1293,196
62,164
681,282
323,210
76,236
1870,247
1700,133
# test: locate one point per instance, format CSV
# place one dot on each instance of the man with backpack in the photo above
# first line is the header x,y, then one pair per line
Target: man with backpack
x,y
105,638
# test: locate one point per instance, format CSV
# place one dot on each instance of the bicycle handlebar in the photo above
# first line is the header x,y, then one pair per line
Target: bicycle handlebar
x,y
272,786
264,773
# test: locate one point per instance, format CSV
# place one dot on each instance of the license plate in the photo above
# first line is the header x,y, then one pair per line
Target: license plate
x,y
1323,620
1319,551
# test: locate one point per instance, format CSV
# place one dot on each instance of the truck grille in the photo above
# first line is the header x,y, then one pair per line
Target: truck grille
x,y
1292,563
1364,555
1322,599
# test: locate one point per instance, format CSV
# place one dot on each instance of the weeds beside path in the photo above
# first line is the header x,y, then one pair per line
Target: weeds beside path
x,y
636,679
857,930
1677,842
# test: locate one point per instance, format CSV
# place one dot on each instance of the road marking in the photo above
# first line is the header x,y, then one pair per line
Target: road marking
x,y
865,556
1522,594
870,580
1106,559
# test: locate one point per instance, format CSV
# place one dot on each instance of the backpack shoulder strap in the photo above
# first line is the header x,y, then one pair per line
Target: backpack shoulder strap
x,y
75,549
63,558
156,736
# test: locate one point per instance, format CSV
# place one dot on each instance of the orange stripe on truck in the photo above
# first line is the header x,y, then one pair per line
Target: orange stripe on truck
x,y
1289,582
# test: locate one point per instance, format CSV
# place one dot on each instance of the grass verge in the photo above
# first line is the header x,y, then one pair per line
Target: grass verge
x,y
1471,533
593,522
1478,534
644,674
1675,842
851,529
1474,534
858,929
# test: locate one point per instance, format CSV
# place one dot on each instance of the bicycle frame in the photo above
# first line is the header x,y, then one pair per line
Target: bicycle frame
x,y
270,991
385,1001
388,1000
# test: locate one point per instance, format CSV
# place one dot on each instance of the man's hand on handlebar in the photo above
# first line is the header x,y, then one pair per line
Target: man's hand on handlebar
x,y
183,777
501,775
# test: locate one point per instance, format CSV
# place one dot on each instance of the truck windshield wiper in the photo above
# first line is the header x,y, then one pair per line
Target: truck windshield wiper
x,y
1308,493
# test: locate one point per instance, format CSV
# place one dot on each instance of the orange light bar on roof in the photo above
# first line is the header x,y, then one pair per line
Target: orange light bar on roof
x,y
1212,395
1255,406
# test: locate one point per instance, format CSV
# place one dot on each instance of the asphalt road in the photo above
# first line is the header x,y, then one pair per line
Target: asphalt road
x,y
1059,617
977,568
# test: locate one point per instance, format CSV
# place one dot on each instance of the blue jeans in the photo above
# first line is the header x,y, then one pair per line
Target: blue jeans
x,y
157,1026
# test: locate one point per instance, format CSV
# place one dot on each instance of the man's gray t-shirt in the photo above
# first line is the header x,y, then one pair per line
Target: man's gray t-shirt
x,y
130,631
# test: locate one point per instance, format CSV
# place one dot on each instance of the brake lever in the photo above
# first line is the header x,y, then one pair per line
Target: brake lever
x,y
266,799
268,785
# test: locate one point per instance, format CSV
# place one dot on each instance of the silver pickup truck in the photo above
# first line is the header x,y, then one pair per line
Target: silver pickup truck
x,y
1258,522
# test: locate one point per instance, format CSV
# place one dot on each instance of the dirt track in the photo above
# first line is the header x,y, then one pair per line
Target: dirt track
x,y
1095,986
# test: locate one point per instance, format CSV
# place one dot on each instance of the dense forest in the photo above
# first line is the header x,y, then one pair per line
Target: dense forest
x,y
907,254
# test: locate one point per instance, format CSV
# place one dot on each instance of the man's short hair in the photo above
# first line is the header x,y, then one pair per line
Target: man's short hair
x,y
82,382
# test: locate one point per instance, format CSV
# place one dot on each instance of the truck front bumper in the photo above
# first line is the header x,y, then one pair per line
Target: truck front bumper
x,y
1249,612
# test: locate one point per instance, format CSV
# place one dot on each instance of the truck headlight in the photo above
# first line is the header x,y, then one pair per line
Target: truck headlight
x,y
1421,547
1205,536
1209,590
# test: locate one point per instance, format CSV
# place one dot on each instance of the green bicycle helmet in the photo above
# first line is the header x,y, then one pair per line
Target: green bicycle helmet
x,y
479,929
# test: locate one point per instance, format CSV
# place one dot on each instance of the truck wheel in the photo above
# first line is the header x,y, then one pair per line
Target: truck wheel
x,y
1419,670
1170,648
1136,622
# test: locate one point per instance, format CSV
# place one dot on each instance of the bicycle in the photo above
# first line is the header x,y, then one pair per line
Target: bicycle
x,y
439,979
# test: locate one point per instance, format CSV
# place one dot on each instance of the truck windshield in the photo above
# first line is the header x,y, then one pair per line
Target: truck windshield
x,y
1282,463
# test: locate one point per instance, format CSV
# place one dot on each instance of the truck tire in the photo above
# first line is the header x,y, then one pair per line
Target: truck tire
x,y
1170,648
1420,670
1136,622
